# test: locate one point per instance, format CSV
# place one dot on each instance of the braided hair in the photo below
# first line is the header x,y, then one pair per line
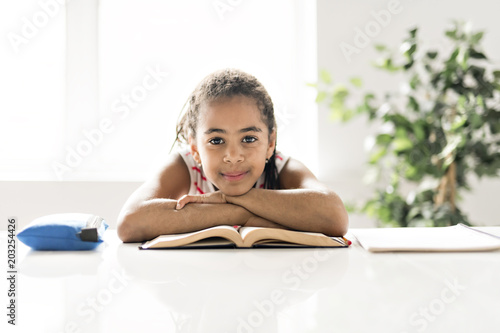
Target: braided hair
x,y
223,84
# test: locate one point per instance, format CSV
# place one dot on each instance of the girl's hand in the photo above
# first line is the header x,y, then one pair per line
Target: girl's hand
x,y
211,198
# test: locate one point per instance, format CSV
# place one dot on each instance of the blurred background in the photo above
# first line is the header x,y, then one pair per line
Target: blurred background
x,y
92,90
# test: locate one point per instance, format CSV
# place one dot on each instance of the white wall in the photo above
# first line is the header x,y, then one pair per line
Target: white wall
x,y
342,156
29,200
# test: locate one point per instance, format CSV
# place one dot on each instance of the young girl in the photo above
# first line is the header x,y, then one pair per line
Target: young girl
x,y
230,172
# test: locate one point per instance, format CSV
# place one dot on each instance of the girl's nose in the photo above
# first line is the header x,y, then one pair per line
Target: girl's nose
x,y
233,155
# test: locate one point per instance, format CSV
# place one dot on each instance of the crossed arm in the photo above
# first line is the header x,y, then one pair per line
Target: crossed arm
x,y
160,206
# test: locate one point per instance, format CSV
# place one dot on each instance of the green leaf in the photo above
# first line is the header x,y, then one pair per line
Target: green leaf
x,y
380,47
477,72
411,50
384,139
458,123
363,109
341,113
411,171
351,207
413,213
357,82
432,55
413,104
325,77
376,156
399,121
462,103
418,130
386,64
321,96
340,92
450,150
453,56
337,105
406,47
401,144
408,65
475,38
464,60
452,34
367,106
476,121
476,54
413,32
414,81
370,208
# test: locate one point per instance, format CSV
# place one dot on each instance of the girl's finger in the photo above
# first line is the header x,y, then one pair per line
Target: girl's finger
x,y
179,205
204,198
182,202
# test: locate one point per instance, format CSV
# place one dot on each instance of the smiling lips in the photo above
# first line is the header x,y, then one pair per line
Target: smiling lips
x,y
234,176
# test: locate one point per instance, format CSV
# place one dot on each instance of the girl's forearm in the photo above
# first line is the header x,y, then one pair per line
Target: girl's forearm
x,y
159,217
298,209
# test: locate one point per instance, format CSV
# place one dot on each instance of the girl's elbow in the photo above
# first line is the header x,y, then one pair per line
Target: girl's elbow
x,y
338,220
341,225
127,228
336,226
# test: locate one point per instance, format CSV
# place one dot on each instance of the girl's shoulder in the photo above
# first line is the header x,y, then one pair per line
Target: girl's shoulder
x,y
296,174
171,179
281,160
187,157
198,181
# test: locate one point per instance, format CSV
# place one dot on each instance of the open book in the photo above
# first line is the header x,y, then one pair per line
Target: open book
x,y
244,237
438,239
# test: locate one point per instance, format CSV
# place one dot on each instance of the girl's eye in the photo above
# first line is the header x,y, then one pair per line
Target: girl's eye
x,y
216,141
249,139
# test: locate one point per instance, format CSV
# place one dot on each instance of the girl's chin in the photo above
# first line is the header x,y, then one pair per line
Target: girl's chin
x,y
234,192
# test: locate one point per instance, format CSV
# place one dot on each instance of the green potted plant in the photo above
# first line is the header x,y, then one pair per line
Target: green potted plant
x,y
443,127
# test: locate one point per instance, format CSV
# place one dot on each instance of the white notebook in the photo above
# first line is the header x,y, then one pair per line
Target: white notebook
x,y
439,239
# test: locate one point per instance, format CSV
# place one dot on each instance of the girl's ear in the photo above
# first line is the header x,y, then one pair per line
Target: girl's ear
x,y
272,144
194,149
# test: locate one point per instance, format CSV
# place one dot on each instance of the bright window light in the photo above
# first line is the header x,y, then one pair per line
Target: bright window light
x,y
32,63
107,111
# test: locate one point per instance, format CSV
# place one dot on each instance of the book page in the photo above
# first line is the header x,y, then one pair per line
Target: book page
x,y
256,235
453,238
177,240
211,242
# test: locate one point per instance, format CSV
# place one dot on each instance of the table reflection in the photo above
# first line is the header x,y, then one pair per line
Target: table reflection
x,y
232,289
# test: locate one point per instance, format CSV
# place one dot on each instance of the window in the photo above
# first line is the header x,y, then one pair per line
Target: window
x,y
129,68
32,59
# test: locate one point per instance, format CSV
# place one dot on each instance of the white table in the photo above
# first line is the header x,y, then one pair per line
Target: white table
x,y
119,288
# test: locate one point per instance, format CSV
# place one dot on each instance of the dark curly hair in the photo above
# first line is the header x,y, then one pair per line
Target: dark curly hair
x,y
223,84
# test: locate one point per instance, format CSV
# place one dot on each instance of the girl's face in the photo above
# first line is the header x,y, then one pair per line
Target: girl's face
x,y
232,143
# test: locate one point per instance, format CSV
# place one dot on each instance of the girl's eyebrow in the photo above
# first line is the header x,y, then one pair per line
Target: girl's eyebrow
x,y
250,129
243,130
214,130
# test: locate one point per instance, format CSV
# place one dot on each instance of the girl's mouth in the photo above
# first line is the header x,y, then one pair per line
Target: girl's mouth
x,y
234,176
